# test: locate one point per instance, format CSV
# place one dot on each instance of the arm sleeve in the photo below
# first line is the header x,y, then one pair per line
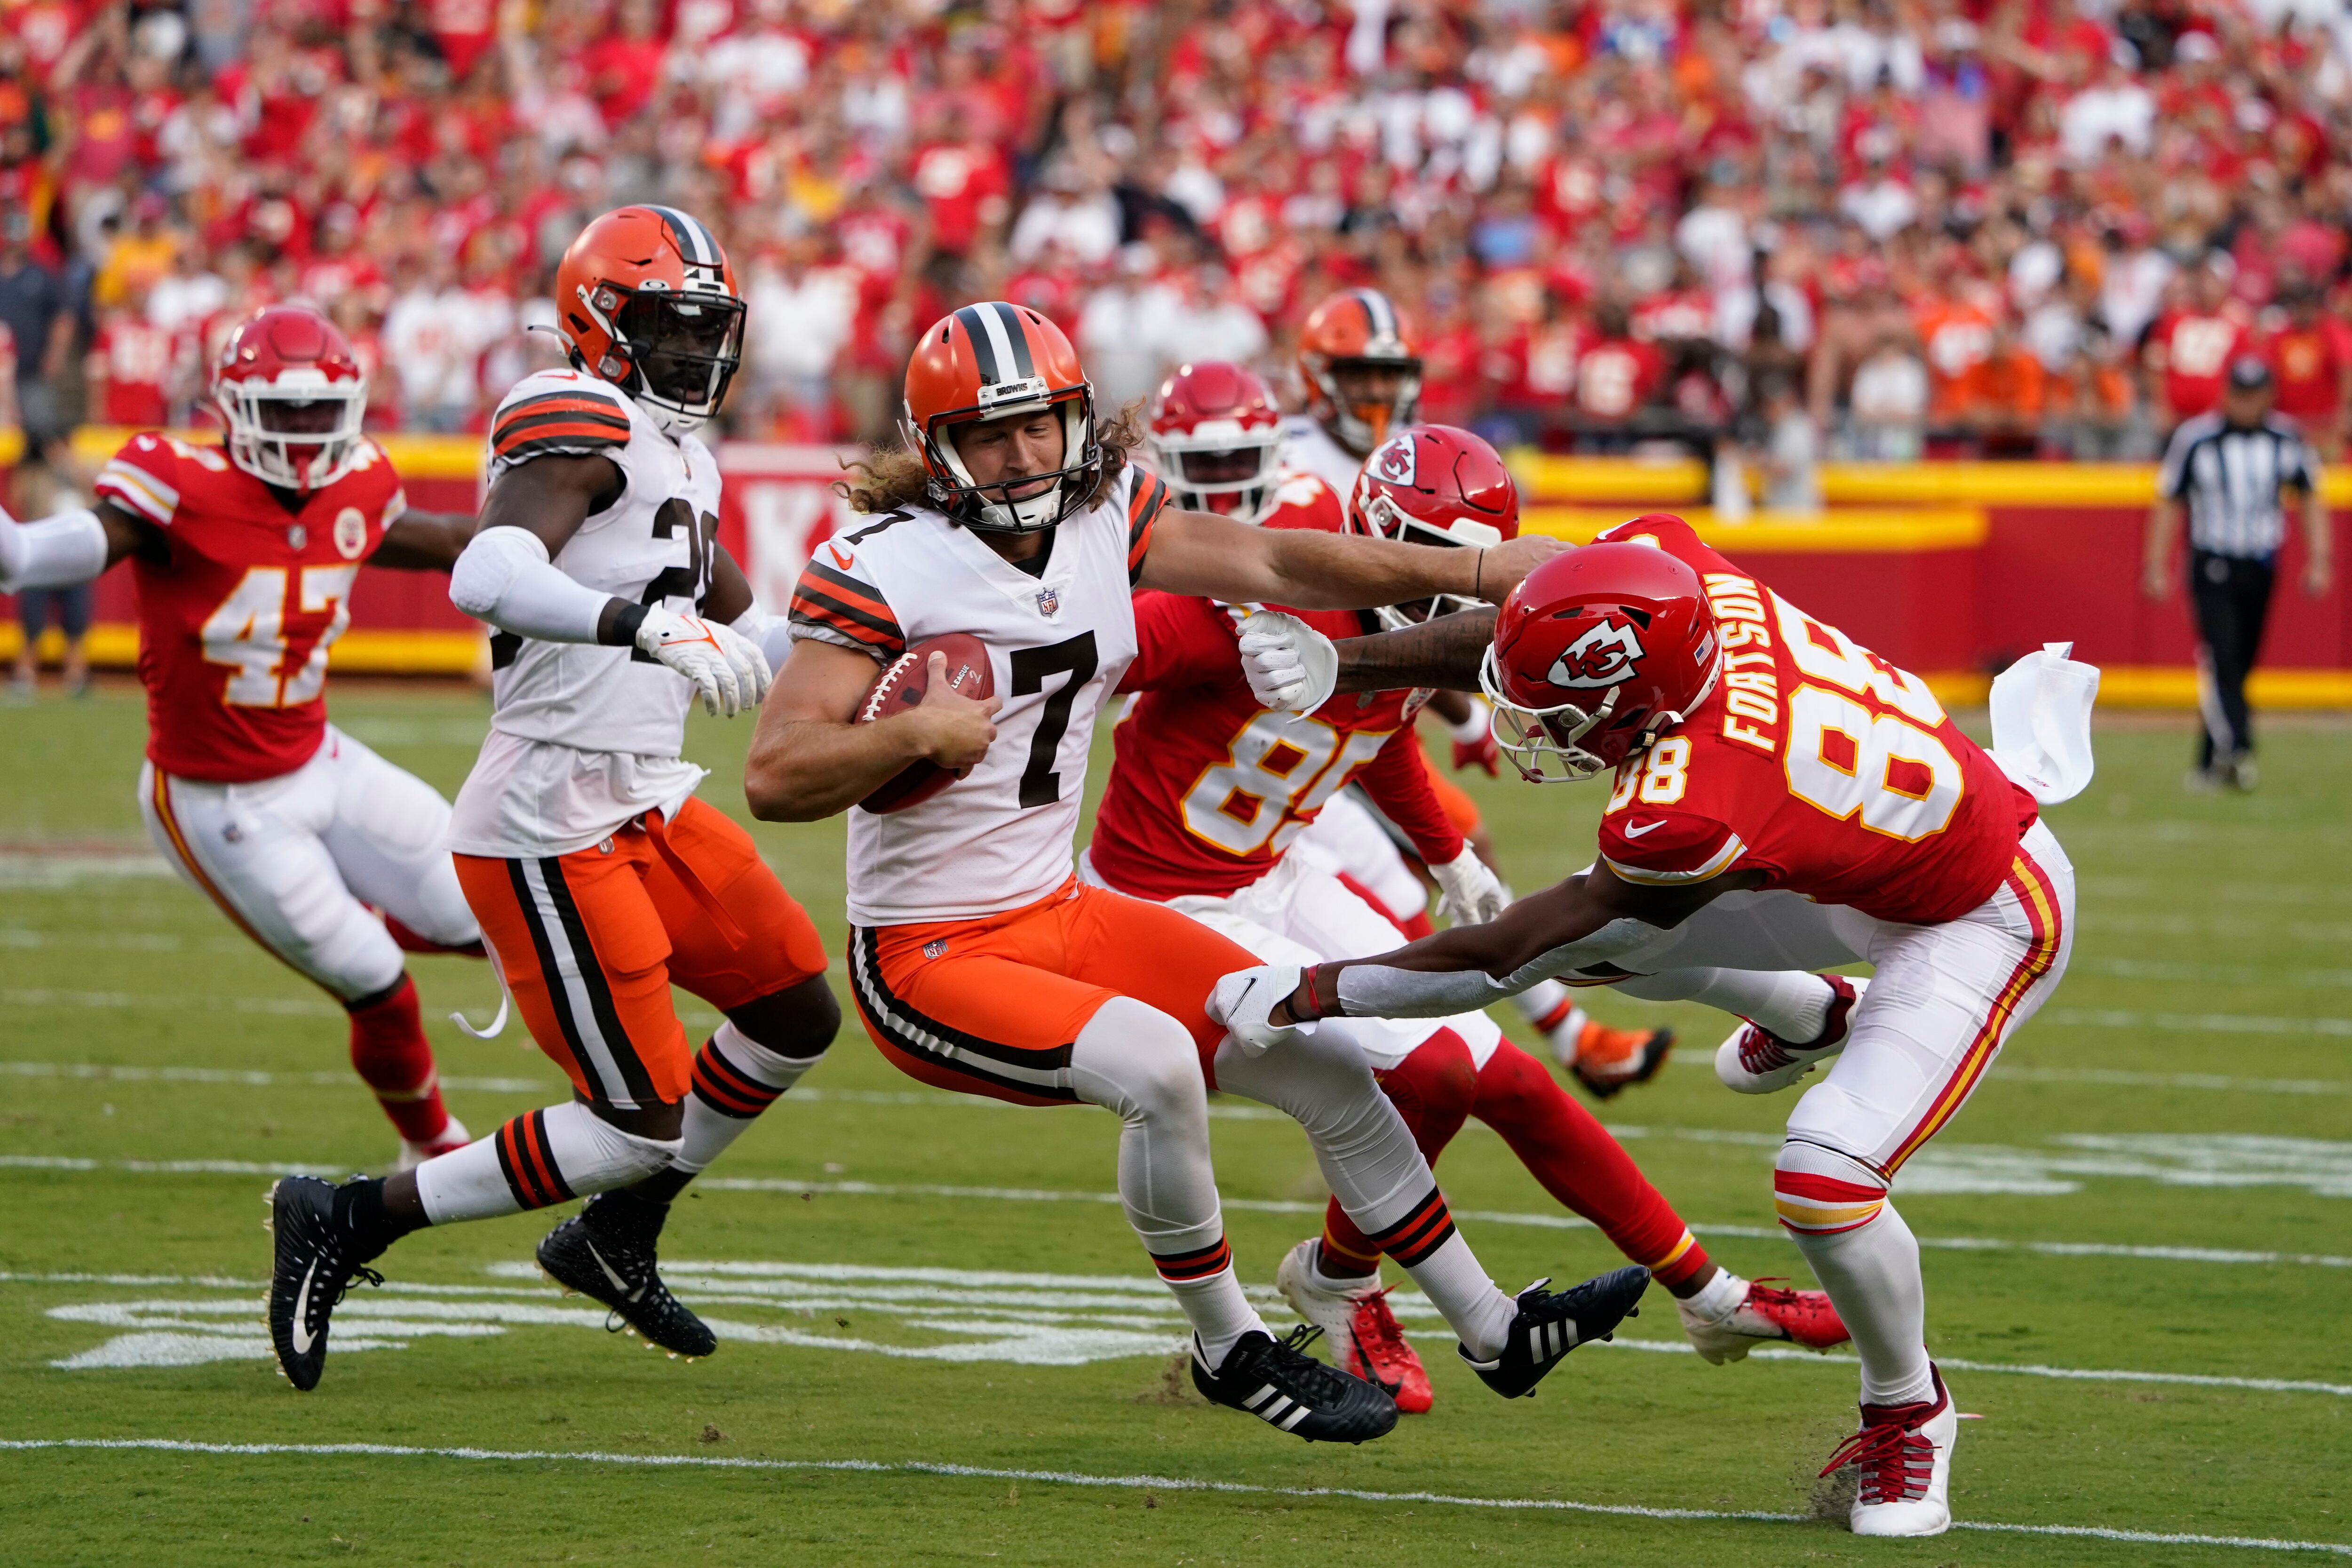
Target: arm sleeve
x,y
61,551
1661,848
1398,782
1181,640
834,603
503,576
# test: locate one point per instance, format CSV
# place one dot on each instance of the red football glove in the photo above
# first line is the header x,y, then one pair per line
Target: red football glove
x,y
1482,753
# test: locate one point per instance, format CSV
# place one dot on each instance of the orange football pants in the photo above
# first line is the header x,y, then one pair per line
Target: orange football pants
x,y
589,944
992,1005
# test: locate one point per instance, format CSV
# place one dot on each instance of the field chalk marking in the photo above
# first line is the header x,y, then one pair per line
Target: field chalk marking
x,y
1124,1483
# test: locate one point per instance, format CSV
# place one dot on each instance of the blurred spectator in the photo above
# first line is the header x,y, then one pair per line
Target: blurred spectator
x,y
129,368
39,316
1890,402
1791,457
2192,345
2311,354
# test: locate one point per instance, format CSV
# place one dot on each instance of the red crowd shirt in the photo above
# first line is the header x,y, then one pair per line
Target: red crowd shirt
x,y
136,361
2309,362
2193,351
236,617
1813,761
1208,790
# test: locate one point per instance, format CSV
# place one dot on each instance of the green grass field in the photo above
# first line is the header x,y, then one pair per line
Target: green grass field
x,y
944,1345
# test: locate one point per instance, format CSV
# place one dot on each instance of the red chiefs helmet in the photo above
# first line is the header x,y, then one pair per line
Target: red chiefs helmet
x,y
1358,363
1596,654
1216,438
998,360
1434,484
644,299
293,396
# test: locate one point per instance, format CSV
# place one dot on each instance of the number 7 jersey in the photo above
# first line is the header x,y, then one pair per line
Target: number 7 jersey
x,y
999,838
240,601
1814,760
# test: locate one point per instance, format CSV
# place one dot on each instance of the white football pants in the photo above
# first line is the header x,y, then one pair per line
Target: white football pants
x,y
294,860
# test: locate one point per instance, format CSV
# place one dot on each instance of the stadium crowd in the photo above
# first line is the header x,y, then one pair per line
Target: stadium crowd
x,y
1890,228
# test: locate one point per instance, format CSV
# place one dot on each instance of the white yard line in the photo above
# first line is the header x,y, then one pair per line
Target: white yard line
x,y
2150,1253
111,1073
2194,1023
1123,1483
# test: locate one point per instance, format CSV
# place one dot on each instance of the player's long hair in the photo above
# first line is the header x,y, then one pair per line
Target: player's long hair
x,y
889,479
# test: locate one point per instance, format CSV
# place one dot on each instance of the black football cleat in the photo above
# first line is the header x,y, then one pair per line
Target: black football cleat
x,y
316,1261
1550,1324
1279,1384
606,1252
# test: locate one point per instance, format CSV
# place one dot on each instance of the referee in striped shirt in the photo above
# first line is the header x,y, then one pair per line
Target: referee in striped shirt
x,y
2233,471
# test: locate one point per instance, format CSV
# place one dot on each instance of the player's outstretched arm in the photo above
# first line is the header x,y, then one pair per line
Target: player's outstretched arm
x,y
809,762
70,548
424,541
1576,927
1442,653
1199,552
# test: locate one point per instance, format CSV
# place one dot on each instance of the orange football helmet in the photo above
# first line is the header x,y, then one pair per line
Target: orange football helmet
x,y
996,361
1357,361
644,299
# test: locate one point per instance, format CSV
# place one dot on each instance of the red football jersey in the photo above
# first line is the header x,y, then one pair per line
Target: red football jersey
x,y
235,617
1208,790
1815,761
2194,350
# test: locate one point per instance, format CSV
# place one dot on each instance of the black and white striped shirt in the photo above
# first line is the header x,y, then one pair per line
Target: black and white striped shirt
x,y
2231,479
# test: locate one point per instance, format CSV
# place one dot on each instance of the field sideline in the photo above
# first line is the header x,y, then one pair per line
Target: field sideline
x,y
944,1345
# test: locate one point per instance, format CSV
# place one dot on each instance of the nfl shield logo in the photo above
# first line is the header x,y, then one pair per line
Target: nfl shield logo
x,y
297,536
935,947
1049,601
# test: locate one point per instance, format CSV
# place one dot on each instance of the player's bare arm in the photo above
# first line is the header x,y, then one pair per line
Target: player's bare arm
x,y
808,761
424,541
1575,926
1199,552
1442,653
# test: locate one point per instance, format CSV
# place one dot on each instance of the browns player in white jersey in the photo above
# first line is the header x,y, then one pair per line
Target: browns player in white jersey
x,y
330,858
599,878
1210,789
1359,371
1783,797
978,959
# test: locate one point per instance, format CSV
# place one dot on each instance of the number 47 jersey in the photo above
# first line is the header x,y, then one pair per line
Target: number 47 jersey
x,y
1815,761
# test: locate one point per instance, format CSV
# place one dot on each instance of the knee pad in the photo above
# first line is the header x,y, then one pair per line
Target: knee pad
x,y
594,1156
1136,1060
797,1024
1821,1191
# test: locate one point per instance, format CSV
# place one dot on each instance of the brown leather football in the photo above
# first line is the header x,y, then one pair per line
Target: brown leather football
x,y
902,687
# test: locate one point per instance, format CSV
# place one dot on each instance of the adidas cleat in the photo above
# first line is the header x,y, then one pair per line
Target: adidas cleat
x,y
1755,1061
315,1263
1283,1386
1550,1324
606,1252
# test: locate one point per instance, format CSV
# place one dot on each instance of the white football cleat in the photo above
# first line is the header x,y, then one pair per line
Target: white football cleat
x,y
452,1137
1754,1060
1903,1453
1762,1314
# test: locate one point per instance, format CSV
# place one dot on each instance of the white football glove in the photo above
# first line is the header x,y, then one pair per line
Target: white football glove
x,y
1240,1000
749,661
689,645
1469,893
1290,664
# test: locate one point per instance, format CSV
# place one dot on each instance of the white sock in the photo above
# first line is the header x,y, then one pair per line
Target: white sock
x,y
1718,1297
1543,998
540,1158
1478,1312
1836,1210
1219,1314
735,1078
1788,1002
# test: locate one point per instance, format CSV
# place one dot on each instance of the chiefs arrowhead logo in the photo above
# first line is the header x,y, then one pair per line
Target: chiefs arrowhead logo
x,y
1603,656
1393,462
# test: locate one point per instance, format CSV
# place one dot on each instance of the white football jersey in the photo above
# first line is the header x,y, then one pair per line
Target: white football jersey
x,y
1307,444
1057,644
583,737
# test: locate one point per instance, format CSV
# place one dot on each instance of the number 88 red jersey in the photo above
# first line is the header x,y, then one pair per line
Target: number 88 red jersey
x,y
1815,761
237,610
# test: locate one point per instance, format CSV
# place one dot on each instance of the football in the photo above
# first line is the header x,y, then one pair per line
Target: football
x,y
902,687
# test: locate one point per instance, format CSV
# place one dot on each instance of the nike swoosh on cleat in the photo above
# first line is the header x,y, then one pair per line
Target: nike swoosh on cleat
x,y
618,1283
1633,832
303,1338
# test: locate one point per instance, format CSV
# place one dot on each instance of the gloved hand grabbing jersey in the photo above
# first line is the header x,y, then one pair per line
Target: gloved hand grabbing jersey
x,y
1241,1001
1290,664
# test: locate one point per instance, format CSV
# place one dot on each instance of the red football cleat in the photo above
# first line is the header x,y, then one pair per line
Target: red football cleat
x,y
1367,1341
1765,1316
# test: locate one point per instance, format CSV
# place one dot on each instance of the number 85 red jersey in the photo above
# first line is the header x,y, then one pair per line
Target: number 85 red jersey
x,y
1815,761
238,608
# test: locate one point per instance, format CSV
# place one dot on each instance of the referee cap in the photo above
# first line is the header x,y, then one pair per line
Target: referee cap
x,y
2248,373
